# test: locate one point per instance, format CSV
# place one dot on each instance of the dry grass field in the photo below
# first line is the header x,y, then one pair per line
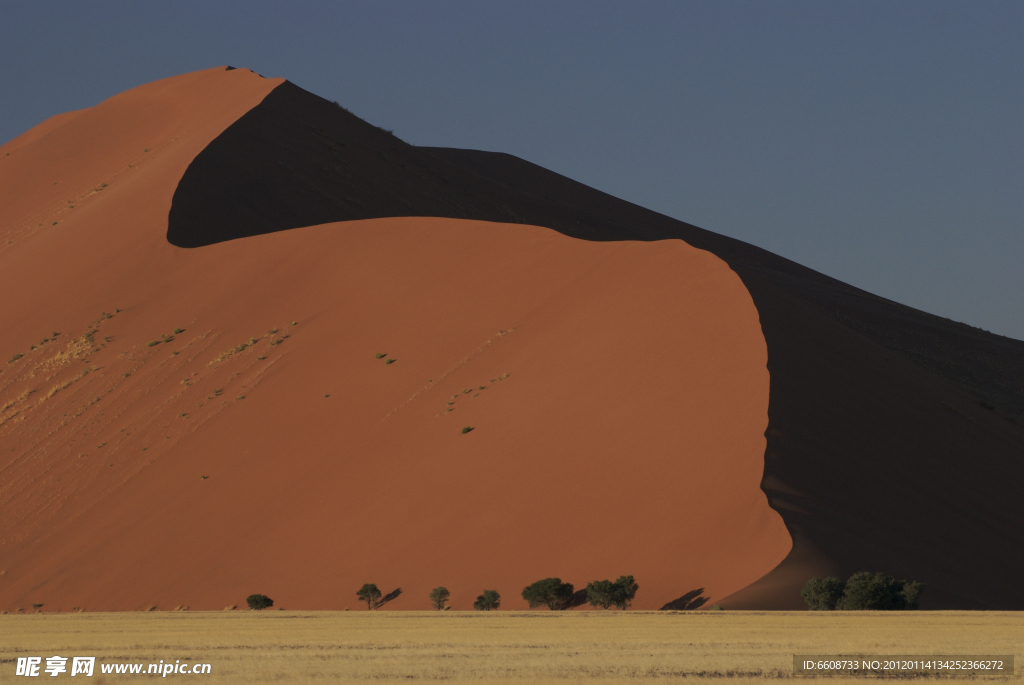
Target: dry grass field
x,y
472,647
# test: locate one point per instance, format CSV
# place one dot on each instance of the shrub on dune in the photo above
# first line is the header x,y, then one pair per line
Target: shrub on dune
x,y
370,594
438,597
488,601
550,592
606,593
863,591
879,592
823,594
259,602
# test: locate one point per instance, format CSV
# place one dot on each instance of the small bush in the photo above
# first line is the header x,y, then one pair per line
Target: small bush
x,y
153,343
467,429
439,597
823,594
488,601
259,602
379,355
389,361
178,331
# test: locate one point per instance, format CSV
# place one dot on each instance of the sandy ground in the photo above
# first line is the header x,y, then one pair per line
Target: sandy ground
x,y
493,647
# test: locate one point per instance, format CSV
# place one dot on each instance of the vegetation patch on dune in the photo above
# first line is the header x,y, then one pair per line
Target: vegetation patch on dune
x,y
863,591
81,346
65,384
270,336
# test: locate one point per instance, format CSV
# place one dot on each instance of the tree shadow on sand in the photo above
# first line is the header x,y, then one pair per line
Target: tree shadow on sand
x,y
688,602
388,597
576,599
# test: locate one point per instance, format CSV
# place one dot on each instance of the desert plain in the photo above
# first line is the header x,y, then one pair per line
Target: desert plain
x,y
504,646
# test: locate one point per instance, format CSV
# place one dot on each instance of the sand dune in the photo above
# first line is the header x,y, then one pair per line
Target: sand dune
x,y
689,409
38,131
891,439
618,394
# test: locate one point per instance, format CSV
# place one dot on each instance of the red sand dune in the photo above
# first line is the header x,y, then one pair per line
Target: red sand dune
x,y
618,394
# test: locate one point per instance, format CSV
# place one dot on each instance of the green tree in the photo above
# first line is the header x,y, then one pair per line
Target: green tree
x,y
605,593
551,592
438,597
370,594
823,594
601,593
877,591
911,592
259,602
488,601
626,591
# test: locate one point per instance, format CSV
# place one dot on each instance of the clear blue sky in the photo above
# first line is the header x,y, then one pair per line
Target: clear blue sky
x,y
878,142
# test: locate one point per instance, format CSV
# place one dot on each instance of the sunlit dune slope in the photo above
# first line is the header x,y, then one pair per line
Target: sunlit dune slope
x,y
189,426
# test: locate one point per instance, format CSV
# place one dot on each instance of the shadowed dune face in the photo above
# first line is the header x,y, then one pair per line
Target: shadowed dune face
x,y
170,437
